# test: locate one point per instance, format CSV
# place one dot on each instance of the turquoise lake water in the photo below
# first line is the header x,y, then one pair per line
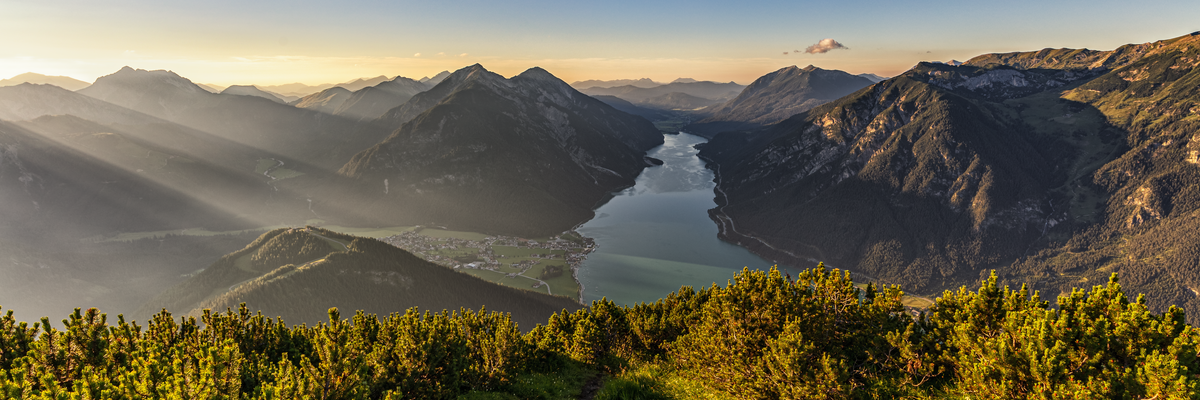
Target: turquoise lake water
x,y
656,236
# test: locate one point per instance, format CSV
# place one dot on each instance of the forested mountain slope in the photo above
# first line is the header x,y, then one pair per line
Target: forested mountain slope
x,y
523,155
933,176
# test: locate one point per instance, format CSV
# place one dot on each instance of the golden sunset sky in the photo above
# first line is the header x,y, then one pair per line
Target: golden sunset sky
x,y
276,42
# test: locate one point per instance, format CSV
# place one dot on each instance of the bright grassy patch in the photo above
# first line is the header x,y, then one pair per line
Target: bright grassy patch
x,y
284,173
651,381
264,164
438,233
369,232
565,383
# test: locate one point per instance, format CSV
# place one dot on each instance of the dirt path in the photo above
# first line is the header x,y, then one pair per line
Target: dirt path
x,y
592,387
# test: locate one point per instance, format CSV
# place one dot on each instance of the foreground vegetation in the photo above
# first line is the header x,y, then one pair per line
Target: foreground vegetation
x,y
764,335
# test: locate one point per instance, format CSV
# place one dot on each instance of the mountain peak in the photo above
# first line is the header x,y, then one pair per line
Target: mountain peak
x,y
810,68
540,74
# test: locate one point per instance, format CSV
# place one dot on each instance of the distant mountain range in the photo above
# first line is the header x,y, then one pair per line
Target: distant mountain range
x,y
64,82
1055,167
777,96
302,135
644,83
302,90
873,78
256,92
683,95
367,103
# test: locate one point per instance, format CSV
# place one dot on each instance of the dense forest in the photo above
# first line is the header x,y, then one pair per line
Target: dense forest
x,y
764,335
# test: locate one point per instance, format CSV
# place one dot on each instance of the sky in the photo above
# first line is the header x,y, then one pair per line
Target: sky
x,y
268,42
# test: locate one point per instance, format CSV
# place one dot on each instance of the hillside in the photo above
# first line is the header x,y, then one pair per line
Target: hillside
x,y
1049,175
776,96
298,274
522,155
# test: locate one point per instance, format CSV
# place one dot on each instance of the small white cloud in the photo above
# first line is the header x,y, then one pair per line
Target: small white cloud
x,y
462,55
417,55
441,54
824,46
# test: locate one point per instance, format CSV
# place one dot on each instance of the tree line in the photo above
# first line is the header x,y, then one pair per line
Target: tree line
x,y
763,335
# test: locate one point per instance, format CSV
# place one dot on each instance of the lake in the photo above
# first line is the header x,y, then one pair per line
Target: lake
x,y
656,236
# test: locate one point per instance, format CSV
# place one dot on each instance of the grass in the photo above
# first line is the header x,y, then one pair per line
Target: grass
x,y
444,234
368,232
651,381
284,173
564,383
264,164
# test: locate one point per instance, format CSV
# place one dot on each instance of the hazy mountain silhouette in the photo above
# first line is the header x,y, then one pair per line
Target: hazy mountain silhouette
x,y
302,135
706,90
64,82
873,78
327,101
295,89
645,83
372,102
436,79
777,96
250,90
360,83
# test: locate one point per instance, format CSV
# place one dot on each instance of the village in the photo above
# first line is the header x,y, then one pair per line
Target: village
x,y
545,264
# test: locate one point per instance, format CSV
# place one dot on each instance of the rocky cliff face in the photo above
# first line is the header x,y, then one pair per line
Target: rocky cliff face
x,y
1047,172
527,154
